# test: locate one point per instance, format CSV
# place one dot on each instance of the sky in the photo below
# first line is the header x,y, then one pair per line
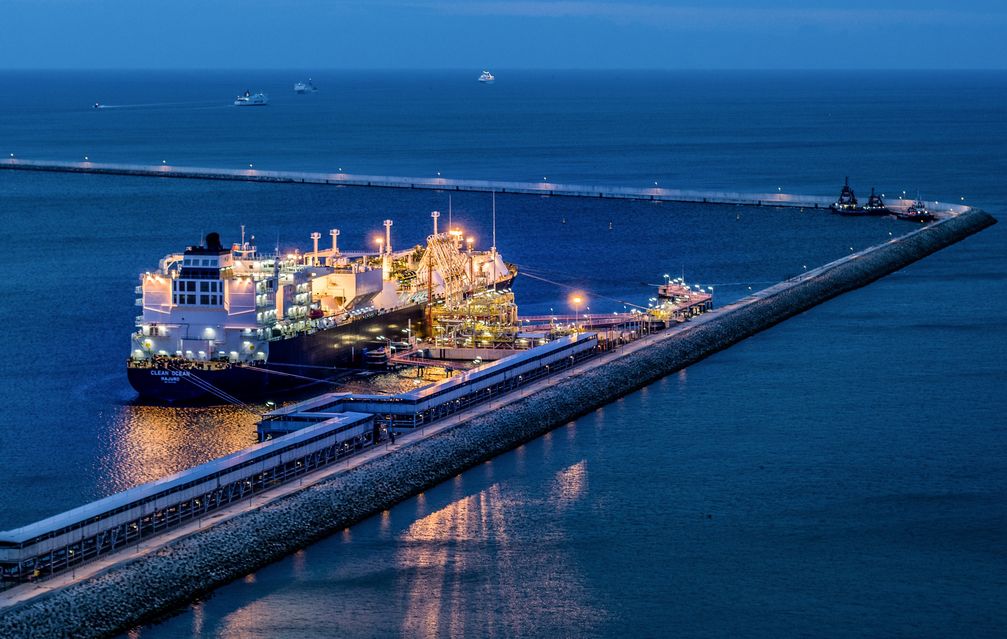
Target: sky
x,y
502,34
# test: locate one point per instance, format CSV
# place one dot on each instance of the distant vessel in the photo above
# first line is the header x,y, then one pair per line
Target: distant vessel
x,y
917,212
875,205
847,202
99,105
305,87
251,99
486,77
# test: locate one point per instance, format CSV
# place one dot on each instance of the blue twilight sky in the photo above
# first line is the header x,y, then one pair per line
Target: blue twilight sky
x,y
319,34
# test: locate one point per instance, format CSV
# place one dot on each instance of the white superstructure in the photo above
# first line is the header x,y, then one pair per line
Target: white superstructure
x,y
215,304
251,99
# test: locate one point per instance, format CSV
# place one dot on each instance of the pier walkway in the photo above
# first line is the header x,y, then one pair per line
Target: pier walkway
x,y
544,188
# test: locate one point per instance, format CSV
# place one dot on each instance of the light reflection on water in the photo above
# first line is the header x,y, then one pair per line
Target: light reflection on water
x,y
145,443
473,543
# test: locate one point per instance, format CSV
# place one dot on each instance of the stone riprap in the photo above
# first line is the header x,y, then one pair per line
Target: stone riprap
x,y
144,588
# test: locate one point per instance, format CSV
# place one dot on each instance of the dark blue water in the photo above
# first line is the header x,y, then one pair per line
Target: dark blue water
x,y
843,473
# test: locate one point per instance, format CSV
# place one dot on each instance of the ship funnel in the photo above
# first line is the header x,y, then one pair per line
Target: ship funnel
x,y
213,242
388,236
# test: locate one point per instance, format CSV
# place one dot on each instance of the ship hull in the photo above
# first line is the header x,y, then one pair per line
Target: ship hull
x,y
302,364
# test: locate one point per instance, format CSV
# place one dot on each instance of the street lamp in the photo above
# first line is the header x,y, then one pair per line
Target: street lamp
x,y
576,300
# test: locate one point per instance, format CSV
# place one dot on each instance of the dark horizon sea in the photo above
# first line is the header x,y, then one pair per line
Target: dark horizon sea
x,y
843,473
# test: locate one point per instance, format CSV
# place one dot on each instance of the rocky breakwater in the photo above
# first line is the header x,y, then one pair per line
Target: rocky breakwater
x,y
142,589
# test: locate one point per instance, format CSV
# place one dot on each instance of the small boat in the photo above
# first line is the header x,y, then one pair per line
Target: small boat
x,y
99,105
917,212
305,87
875,205
251,99
847,202
486,77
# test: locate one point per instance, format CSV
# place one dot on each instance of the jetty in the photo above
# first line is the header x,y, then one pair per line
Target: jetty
x,y
438,183
325,465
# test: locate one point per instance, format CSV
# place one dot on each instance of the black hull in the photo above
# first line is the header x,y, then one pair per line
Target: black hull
x,y
919,219
299,365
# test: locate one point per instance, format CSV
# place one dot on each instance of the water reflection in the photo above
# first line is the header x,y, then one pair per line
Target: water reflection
x,y
480,543
569,485
198,619
144,443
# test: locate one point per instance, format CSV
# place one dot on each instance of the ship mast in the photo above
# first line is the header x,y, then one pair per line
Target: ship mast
x,y
430,292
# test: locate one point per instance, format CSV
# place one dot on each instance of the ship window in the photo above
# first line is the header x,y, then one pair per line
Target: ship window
x,y
204,287
190,286
190,299
204,299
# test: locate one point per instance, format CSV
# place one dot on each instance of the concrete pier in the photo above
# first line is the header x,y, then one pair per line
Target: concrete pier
x,y
129,590
252,174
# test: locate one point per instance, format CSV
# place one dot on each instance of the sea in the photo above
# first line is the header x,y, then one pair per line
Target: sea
x,y
841,474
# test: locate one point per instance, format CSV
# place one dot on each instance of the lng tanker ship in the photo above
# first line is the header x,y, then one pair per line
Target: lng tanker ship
x,y
223,324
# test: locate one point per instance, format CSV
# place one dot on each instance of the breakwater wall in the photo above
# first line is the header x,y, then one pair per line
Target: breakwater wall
x,y
251,174
170,577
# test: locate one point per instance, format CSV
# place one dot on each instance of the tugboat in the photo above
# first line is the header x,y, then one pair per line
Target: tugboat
x,y
486,77
875,205
847,202
305,87
917,212
251,99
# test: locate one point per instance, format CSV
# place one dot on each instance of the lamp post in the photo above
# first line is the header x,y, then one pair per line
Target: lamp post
x,y
576,300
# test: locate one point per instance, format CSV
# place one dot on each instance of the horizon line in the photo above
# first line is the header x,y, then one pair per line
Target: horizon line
x,y
518,69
